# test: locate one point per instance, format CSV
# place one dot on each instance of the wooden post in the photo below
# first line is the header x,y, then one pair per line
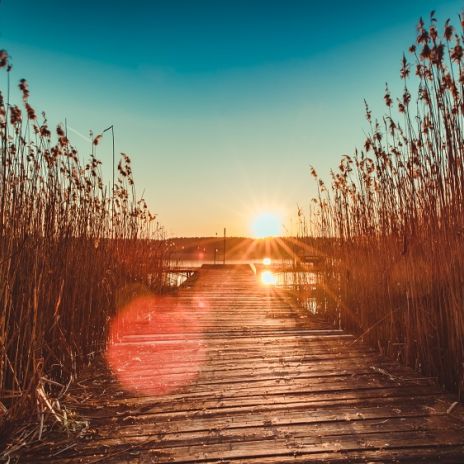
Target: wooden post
x,y
224,262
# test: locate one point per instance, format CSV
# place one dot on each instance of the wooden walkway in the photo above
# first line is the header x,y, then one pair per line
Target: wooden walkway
x,y
259,382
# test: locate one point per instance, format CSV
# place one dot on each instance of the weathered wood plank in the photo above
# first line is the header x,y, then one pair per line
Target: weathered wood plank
x,y
264,382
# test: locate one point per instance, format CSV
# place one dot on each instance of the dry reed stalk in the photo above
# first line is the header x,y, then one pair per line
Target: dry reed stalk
x,y
393,218
63,254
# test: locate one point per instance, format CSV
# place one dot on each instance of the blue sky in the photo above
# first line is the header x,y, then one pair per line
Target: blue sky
x,y
223,105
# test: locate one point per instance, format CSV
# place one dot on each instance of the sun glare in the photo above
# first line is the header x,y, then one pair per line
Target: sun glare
x,y
267,261
266,224
268,278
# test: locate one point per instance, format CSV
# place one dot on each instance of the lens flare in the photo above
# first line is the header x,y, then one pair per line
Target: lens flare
x,y
268,278
155,346
267,261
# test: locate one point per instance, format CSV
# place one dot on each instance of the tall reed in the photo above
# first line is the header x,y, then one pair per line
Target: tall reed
x,y
393,216
67,243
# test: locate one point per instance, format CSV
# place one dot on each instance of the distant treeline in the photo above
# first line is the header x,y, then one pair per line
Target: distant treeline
x,y
206,248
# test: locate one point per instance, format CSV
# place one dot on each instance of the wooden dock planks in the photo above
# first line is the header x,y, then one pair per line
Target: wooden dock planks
x,y
272,385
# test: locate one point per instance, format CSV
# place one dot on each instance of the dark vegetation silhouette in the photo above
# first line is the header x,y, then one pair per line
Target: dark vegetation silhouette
x,y
394,215
67,244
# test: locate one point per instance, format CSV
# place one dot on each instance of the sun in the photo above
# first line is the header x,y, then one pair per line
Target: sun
x,y
266,224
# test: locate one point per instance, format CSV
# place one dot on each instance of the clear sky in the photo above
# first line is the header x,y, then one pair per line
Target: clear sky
x,y
223,105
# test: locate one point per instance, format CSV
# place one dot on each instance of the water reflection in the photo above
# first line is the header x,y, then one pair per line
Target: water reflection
x,y
174,279
168,279
296,278
305,285
268,278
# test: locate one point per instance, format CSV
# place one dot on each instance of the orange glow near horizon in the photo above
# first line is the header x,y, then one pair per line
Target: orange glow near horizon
x,y
266,224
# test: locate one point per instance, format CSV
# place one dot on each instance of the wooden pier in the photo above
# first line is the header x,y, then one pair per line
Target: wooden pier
x,y
272,385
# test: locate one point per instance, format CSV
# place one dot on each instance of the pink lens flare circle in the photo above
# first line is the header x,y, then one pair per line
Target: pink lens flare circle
x,y
155,345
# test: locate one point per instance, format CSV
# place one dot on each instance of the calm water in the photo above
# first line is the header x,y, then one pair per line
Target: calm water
x,y
304,283
306,286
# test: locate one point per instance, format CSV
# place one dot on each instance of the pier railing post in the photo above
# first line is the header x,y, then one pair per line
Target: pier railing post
x,y
224,260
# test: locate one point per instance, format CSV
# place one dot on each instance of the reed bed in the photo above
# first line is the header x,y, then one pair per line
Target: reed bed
x,y
67,244
393,216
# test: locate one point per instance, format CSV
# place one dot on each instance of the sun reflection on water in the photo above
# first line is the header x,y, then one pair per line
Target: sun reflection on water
x,y
268,278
